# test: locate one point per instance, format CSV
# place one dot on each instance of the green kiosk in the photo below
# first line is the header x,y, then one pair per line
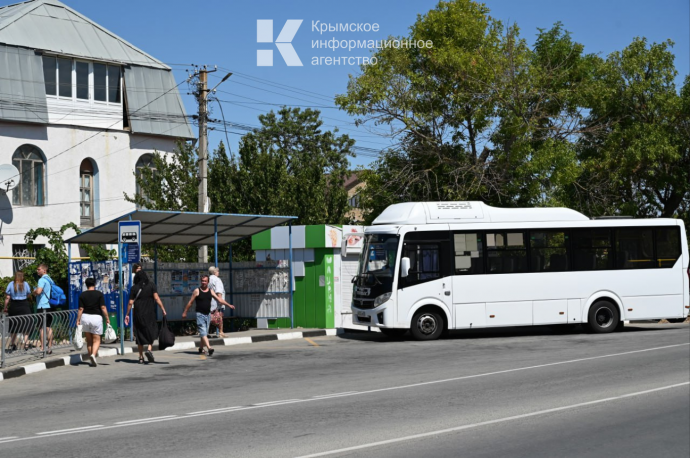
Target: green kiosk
x,y
316,271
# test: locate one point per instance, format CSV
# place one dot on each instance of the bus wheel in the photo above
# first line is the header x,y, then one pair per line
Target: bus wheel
x,y
603,317
427,325
393,333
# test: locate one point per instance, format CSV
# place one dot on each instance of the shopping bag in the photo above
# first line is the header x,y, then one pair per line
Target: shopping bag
x,y
110,335
166,338
78,340
216,318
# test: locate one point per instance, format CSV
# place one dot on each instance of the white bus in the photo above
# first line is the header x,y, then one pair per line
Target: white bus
x,y
428,267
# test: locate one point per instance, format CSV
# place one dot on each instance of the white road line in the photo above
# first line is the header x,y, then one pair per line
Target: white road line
x,y
144,419
81,428
275,402
326,397
335,394
490,422
223,409
7,438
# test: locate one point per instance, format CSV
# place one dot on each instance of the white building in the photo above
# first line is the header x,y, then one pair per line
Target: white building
x,y
80,110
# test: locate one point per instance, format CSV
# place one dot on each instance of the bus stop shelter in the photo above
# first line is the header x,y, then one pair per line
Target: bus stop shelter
x,y
186,228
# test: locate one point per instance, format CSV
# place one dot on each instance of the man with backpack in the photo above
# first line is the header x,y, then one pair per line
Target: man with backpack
x,y
42,293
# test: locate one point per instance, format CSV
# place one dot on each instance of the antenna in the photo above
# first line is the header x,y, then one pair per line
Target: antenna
x,y
9,177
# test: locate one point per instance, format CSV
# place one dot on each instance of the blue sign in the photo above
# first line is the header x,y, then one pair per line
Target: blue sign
x,y
129,237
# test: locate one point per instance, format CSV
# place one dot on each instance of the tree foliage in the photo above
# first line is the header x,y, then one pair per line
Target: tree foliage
x,y
483,116
54,254
288,166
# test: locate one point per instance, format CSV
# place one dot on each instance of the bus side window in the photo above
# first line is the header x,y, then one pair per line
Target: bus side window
x,y
469,253
507,252
634,249
592,249
667,246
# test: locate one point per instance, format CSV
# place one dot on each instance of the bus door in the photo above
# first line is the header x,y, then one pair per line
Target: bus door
x,y
429,281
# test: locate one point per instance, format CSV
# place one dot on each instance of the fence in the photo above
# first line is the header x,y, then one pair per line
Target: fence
x,y
256,289
24,337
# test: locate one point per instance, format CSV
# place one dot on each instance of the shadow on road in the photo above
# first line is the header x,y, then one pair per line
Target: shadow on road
x,y
531,331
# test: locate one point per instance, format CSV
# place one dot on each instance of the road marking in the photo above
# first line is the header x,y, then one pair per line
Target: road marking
x,y
7,438
275,402
143,419
344,393
490,422
354,393
311,342
81,428
224,409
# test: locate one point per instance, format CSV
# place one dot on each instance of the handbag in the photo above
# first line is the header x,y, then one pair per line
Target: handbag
x,y
166,338
78,340
110,335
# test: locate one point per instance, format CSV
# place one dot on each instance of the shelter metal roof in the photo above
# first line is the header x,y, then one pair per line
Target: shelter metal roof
x,y
183,228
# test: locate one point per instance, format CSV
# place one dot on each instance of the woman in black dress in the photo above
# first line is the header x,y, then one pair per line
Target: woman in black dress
x,y
144,297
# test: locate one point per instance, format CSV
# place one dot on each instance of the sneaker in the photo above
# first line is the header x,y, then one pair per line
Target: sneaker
x,y
93,362
210,351
149,356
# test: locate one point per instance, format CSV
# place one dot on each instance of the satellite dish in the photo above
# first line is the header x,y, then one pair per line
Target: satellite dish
x,y
9,177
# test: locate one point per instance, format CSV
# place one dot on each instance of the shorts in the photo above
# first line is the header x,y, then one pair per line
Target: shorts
x,y
49,317
92,323
203,322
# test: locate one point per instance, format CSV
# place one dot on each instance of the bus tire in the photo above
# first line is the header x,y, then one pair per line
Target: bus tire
x,y
427,324
603,317
393,333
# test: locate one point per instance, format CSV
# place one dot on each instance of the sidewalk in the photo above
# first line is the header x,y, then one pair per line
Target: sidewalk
x,y
69,356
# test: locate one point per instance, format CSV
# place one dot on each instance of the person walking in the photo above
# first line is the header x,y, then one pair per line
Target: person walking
x,y
203,296
42,293
17,298
143,297
91,307
217,312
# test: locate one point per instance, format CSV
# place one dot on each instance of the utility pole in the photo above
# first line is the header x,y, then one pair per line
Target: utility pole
x,y
202,97
203,151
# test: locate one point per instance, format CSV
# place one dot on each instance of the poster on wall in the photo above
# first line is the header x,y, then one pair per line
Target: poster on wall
x,y
334,237
353,239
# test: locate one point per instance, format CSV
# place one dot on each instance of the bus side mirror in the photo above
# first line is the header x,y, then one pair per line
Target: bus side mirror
x,y
404,267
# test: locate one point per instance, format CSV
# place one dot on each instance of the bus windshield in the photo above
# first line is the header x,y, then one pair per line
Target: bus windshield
x,y
378,256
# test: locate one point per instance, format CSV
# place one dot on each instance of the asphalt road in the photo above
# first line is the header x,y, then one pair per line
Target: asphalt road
x,y
523,392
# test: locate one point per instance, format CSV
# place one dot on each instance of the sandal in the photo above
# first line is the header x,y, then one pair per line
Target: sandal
x,y
149,356
141,360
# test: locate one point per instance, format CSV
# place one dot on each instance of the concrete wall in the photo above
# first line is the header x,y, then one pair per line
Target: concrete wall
x,y
115,154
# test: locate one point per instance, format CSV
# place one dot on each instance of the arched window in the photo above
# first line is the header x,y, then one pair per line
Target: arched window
x,y
86,192
145,161
31,190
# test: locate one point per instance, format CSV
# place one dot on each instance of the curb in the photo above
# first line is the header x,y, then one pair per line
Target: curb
x,y
73,360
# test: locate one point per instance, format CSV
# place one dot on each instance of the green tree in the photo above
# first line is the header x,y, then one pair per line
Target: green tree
x,y
54,255
640,164
288,166
479,115
171,184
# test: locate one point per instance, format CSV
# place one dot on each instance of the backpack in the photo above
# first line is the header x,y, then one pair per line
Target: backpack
x,y
57,295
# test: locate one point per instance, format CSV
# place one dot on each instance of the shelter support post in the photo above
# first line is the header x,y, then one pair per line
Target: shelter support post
x,y
215,242
291,280
232,299
121,297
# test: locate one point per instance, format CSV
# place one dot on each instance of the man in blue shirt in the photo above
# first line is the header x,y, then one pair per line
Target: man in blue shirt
x,y
42,293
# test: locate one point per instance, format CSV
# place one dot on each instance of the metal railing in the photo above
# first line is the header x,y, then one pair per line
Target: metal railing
x,y
35,336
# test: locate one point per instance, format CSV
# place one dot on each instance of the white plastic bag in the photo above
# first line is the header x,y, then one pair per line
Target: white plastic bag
x,y
78,340
110,335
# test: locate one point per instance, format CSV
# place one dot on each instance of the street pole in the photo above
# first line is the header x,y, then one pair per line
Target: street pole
x,y
202,97
203,151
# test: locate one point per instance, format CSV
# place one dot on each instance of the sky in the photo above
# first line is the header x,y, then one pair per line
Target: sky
x,y
224,34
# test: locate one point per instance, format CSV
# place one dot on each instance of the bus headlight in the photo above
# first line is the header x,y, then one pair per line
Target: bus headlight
x,y
381,299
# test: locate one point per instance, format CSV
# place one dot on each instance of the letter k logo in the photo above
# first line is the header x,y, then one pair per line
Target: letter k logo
x,y
264,34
